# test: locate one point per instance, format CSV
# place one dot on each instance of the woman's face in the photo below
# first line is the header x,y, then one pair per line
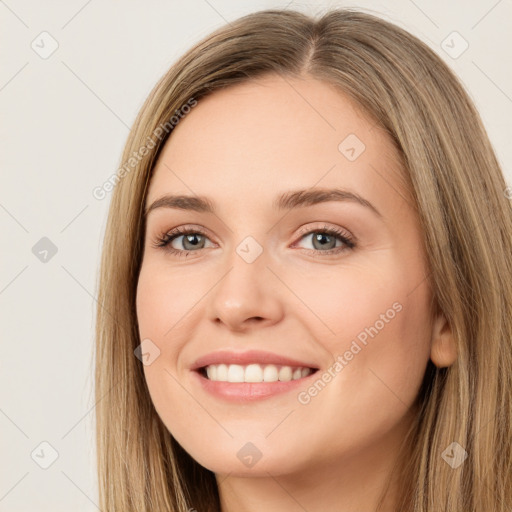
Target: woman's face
x,y
263,272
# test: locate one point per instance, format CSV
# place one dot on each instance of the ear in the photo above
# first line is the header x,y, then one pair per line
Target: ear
x,y
443,351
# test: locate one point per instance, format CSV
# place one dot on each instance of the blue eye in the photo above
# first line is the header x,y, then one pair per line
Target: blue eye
x,y
166,239
325,237
195,239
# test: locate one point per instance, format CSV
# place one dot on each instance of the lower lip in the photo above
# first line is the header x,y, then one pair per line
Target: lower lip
x,y
247,391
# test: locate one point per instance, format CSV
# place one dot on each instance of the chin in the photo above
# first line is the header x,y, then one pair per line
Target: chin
x,y
245,459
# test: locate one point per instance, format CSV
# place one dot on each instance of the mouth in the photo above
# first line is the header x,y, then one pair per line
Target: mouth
x,y
254,373
246,383
250,375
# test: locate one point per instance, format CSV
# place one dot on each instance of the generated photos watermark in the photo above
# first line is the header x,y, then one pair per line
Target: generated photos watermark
x,y
342,360
100,192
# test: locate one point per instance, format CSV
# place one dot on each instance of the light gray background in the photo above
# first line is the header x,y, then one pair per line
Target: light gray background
x,y
65,119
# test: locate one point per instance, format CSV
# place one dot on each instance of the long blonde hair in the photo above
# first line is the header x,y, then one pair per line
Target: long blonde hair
x,y
460,194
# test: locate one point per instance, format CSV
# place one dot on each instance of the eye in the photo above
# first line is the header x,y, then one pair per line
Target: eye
x,y
325,240
190,240
193,239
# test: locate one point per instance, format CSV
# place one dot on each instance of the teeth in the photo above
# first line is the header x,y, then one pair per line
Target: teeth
x,y
254,373
270,373
211,371
222,372
285,373
236,373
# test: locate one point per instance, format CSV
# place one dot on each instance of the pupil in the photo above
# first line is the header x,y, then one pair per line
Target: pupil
x,y
188,239
320,236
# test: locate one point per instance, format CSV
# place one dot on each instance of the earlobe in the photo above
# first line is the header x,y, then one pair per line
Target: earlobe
x,y
443,352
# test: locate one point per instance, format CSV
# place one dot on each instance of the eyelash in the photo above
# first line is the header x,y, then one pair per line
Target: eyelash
x,y
163,240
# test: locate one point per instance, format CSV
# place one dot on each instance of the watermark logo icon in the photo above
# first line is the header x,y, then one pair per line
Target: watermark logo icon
x,y
454,45
44,455
45,45
249,249
44,250
454,455
351,147
147,352
249,454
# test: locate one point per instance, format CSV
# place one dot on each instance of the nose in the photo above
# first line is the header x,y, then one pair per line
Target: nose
x,y
247,295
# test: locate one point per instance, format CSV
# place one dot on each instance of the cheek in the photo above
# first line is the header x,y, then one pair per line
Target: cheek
x,y
381,345
163,300
161,307
165,306
379,332
380,351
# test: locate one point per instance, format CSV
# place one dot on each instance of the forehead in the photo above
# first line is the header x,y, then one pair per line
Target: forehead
x,y
249,141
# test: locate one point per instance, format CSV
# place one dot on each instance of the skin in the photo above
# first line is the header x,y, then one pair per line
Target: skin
x,y
241,147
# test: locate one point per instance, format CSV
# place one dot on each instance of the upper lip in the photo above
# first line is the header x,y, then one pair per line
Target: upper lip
x,y
247,357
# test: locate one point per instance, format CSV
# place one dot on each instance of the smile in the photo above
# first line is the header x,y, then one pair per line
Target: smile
x,y
241,391
250,375
254,372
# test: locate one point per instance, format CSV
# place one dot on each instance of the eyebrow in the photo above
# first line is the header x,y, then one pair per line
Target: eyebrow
x,y
286,201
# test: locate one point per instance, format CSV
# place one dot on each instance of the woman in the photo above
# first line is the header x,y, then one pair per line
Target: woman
x,y
238,367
